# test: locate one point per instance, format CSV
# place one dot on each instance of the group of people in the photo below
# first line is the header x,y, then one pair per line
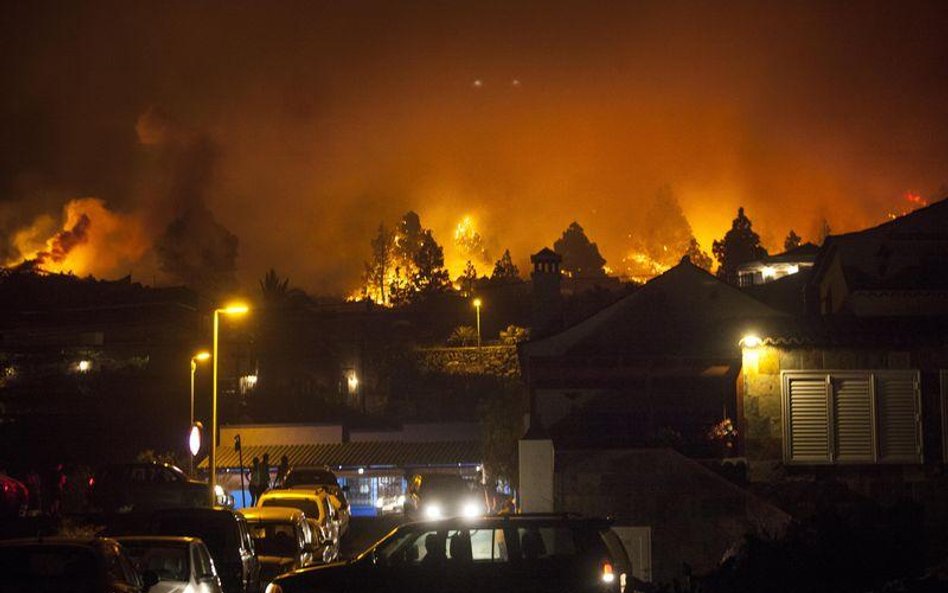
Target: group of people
x,y
259,475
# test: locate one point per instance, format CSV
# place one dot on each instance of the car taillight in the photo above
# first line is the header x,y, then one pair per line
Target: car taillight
x,y
608,575
91,481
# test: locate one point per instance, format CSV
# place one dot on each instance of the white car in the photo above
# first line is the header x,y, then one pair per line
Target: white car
x,y
319,511
182,564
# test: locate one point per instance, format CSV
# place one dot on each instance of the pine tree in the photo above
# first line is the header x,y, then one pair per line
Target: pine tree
x,y
739,246
580,256
504,269
792,241
468,278
377,269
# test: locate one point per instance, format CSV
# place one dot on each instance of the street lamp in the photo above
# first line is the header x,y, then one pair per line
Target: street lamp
x,y
199,357
477,305
232,310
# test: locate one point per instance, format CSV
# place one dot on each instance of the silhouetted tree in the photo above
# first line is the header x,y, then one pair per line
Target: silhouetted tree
x,y
792,241
376,276
504,269
580,256
739,245
697,256
273,289
468,278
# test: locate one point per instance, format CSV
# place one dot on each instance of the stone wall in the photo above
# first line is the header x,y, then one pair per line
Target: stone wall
x,y
493,361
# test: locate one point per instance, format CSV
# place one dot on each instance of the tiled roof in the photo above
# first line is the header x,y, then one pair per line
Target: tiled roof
x,y
358,454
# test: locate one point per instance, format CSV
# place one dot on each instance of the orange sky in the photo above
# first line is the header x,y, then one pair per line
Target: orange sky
x,y
330,117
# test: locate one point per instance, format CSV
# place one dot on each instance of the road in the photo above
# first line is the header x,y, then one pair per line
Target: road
x,y
365,531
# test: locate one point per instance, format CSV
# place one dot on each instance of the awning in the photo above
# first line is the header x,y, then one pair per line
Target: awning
x,y
358,454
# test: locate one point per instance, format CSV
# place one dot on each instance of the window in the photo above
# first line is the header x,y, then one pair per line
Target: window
x,y
851,417
488,545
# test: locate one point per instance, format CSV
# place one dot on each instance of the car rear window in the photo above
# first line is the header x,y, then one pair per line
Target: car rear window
x,y
169,560
218,533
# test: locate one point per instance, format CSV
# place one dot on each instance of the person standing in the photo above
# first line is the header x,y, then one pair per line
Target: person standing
x,y
282,470
265,473
254,481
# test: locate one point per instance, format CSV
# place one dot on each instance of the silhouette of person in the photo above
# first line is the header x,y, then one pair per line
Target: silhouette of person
x,y
434,549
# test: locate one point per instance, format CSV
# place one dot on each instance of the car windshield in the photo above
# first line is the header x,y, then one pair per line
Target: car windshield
x,y
168,560
444,487
309,507
49,568
311,476
274,539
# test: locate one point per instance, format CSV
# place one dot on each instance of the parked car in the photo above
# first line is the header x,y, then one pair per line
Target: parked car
x,y
226,536
181,563
281,540
435,496
144,487
14,497
60,564
323,478
319,511
522,553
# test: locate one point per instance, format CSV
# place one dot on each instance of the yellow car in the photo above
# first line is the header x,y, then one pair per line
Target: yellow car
x,y
319,511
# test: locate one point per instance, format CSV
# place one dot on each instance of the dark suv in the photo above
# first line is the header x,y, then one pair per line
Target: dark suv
x,y
522,553
227,537
142,487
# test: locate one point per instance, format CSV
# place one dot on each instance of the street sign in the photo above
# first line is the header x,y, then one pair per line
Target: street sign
x,y
194,438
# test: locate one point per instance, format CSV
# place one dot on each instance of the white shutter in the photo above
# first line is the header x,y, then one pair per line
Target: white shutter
x,y
807,418
853,417
900,439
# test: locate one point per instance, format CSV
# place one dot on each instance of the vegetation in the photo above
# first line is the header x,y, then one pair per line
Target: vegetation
x,y
739,246
792,241
581,257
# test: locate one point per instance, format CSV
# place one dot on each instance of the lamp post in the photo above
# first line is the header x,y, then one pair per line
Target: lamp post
x,y
234,309
477,306
199,357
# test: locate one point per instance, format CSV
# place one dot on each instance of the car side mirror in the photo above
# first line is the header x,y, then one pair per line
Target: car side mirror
x,y
149,579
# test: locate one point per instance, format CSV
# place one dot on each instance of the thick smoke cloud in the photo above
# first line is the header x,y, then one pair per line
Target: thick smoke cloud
x,y
330,117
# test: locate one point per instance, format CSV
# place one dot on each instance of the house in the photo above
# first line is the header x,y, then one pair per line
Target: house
x,y
659,364
856,389
775,267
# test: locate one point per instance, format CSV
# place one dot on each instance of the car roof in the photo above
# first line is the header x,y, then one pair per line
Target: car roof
x,y
272,514
513,520
196,512
297,493
79,542
158,539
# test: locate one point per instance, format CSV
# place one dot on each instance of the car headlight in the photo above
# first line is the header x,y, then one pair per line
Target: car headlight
x,y
219,491
471,509
433,511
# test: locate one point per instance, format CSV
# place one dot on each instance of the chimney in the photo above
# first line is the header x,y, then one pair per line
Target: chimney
x,y
547,299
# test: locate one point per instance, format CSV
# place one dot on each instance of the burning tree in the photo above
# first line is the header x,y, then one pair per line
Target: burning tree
x,y
406,264
739,245
664,236
697,256
581,257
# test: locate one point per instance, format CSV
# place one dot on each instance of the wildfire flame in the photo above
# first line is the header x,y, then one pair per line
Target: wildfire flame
x,y
92,240
910,201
